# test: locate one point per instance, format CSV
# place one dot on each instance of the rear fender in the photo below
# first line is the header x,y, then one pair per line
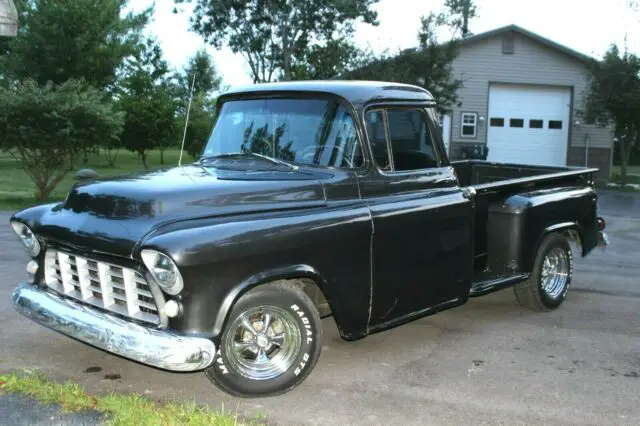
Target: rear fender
x,y
564,228
517,225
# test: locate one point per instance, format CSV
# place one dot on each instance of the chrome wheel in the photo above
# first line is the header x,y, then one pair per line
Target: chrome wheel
x,y
555,272
263,342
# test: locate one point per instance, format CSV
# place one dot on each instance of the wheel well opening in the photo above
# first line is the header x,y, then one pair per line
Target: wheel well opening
x,y
313,290
575,241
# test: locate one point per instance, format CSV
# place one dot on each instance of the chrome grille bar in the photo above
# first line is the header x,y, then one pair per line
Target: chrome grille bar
x,y
104,285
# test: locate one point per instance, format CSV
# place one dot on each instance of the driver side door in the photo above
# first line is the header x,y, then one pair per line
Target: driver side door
x,y
422,253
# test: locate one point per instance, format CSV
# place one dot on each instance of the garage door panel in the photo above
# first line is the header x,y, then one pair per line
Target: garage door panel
x,y
528,124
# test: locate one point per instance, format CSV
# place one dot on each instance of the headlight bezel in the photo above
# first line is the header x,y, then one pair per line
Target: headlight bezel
x,y
19,228
152,260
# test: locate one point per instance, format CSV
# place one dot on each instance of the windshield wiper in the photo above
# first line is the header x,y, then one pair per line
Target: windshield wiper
x,y
250,154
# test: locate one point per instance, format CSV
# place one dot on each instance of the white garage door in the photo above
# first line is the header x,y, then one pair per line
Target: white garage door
x,y
528,124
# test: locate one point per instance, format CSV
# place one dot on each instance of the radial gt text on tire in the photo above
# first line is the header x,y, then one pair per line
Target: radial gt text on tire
x,y
270,343
550,279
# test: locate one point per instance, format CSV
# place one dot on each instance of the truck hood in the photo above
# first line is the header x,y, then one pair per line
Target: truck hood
x,y
112,215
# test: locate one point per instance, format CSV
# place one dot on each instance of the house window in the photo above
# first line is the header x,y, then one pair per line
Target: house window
x,y
555,124
516,122
469,123
496,122
536,124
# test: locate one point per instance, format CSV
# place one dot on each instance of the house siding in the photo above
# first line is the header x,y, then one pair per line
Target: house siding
x,y
482,62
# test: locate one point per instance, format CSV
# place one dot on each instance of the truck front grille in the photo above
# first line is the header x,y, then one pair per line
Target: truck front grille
x,y
114,288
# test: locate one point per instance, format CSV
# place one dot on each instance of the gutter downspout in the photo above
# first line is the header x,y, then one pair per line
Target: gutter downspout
x,y
586,149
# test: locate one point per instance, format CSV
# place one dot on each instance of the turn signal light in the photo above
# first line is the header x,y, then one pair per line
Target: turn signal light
x,y
601,224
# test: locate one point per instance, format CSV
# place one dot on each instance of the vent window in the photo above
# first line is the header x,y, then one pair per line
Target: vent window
x,y
508,43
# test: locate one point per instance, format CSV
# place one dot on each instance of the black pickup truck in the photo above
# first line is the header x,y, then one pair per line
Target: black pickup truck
x,y
310,199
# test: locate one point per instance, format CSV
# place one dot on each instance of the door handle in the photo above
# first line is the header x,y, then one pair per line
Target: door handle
x,y
469,192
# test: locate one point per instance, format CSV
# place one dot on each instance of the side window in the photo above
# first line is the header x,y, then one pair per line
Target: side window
x,y
411,140
375,131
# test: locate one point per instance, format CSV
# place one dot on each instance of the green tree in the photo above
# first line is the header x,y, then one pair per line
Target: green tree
x,y
146,97
207,84
207,78
45,127
458,14
613,98
325,61
81,39
429,66
270,35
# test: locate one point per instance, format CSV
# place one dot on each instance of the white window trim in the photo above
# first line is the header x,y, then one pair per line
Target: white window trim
x,y
475,124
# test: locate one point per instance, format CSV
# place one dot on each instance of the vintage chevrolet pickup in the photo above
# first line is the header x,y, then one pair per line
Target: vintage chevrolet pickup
x,y
310,199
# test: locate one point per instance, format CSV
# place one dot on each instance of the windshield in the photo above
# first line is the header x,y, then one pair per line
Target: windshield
x,y
300,131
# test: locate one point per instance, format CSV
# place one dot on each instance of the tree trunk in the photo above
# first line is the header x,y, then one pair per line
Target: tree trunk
x,y
143,156
286,55
42,192
162,156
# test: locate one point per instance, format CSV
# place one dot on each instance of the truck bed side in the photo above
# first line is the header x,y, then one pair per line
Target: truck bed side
x,y
515,205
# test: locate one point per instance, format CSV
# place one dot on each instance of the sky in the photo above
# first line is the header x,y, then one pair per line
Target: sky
x,y
588,26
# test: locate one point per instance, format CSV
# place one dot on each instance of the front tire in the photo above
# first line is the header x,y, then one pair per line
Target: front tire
x,y
270,343
549,283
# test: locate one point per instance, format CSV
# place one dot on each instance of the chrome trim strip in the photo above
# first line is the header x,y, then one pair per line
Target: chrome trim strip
x,y
146,345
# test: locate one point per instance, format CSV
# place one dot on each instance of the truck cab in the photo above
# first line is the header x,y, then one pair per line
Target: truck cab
x,y
310,199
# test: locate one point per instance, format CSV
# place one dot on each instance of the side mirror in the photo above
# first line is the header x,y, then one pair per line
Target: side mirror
x,y
86,174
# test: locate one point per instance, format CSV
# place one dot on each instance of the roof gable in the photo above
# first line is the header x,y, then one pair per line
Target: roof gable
x,y
530,35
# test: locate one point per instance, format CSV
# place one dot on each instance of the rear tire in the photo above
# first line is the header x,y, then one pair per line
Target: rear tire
x,y
254,362
549,283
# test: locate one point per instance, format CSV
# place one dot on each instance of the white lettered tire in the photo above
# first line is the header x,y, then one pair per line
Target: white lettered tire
x,y
270,343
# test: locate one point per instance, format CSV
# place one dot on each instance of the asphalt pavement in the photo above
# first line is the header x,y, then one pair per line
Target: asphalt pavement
x,y
488,362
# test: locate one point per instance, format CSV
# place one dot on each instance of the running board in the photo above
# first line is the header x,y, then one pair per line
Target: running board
x,y
481,288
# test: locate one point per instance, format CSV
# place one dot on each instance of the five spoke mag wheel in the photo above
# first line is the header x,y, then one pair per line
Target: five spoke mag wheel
x,y
270,343
547,287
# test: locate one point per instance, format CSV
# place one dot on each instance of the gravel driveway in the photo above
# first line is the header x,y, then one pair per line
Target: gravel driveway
x,y
489,361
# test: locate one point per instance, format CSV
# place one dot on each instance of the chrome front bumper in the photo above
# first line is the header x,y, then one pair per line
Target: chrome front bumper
x,y
146,345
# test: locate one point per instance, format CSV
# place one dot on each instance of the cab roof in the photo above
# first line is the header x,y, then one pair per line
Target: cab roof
x,y
357,92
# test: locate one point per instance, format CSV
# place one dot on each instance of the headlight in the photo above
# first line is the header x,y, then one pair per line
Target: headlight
x,y
28,238
163,270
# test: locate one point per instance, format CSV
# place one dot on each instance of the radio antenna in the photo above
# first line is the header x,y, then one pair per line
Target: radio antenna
x,y
186,122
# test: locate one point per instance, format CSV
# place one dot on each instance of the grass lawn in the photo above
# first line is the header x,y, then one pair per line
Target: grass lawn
x,y
122,410
18,191
633,174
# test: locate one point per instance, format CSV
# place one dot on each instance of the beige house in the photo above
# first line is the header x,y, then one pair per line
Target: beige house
x,y
521,97
8,19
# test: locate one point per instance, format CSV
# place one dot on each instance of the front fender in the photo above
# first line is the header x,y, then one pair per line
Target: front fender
x,y
283,273
220,260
